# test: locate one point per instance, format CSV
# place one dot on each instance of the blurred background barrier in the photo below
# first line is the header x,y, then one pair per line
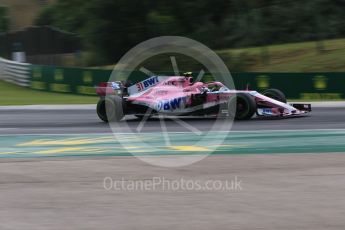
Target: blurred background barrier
x,y
303,86
67,80
15,72
82,81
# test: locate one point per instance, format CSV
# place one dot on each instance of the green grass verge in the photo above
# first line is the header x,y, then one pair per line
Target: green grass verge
x,y
296,57
15,95
291,57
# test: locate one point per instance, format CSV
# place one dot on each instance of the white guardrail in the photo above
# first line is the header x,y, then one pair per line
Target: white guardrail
x,y
15,72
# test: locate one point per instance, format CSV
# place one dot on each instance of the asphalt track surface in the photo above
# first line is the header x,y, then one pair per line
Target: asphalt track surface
x,y
276,191
86,121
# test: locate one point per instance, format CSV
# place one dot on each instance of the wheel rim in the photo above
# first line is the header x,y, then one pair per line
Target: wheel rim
x,y
110,110
241,107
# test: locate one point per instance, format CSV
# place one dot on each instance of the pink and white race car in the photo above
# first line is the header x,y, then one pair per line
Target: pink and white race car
x,y
180,96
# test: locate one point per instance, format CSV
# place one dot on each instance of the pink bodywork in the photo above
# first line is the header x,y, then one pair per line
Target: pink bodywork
x,y
176,88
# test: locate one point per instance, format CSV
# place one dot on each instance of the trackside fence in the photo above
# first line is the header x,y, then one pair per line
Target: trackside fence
x,y
82,81
15,72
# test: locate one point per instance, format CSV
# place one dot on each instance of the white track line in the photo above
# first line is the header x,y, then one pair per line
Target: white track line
x,y
160,133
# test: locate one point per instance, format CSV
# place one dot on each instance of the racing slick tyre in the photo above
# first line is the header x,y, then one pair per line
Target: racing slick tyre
x,y
110,108
275,94
242,107
141,117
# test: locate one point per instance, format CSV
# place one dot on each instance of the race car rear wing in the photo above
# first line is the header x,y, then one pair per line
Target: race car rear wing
x,y
120,88
144,85
110,88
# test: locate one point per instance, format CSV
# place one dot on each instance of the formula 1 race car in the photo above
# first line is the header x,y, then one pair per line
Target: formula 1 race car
x,y
179,95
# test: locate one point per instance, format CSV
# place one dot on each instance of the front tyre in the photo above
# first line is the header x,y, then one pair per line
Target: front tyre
x,y
110,108
242,107
275,94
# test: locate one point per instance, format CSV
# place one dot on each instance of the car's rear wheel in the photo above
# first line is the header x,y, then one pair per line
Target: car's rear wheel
x,y
142,117
275,94
242,107
110,108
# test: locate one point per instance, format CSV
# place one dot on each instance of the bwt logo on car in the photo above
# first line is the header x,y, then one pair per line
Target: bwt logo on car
x,y
171,104
147,83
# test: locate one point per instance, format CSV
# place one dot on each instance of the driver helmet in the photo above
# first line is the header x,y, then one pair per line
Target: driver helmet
x,y
189,75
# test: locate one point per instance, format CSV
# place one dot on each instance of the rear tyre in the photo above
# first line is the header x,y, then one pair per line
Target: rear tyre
x,y
242,107
110,108
275,94
141,117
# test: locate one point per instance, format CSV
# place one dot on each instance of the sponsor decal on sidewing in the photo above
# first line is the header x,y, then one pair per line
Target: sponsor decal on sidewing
x,y
171,104
143,85
265,111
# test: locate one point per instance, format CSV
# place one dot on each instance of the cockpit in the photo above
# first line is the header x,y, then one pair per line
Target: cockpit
x,y
179,81
215,87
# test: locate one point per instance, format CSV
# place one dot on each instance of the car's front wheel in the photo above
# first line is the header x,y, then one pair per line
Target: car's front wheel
x,y
242,107
275,94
